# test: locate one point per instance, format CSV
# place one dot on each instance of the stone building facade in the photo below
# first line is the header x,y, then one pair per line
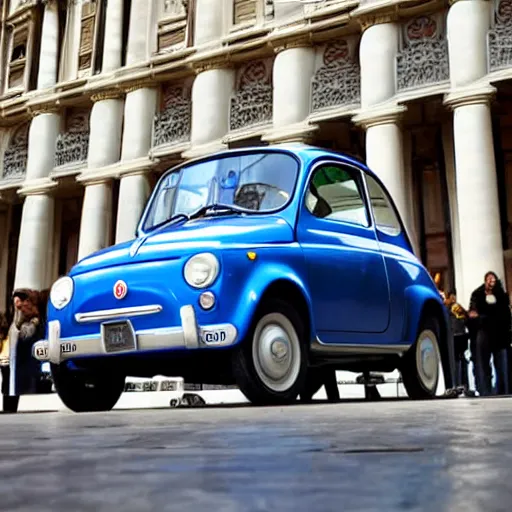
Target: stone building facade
x,y
98,98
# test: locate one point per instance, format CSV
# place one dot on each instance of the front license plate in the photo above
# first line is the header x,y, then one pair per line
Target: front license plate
x,y
118,337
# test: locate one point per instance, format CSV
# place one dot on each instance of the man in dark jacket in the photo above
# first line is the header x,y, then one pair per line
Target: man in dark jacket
x,y
490,321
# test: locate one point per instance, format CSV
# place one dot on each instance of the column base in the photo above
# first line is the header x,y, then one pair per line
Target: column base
x,y
204,149
302,133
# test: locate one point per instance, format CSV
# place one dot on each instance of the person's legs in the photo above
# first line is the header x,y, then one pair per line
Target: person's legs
x,y
9,403
461,345
482,364
501,368
331,385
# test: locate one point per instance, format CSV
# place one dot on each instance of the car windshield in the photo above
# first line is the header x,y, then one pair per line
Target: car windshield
x,y
255,182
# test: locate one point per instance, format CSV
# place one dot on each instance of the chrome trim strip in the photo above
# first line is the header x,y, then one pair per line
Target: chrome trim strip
x,y
354,348
184,337
109,314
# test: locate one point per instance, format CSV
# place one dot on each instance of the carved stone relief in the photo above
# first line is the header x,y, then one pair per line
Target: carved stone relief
x,y
72,146
424,57
252,102
500,37
16,154
337,81
172,124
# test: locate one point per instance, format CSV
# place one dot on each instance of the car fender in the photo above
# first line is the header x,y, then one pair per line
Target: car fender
x,y
416,297
255,287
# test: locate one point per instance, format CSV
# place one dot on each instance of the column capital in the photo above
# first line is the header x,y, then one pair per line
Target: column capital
x,y
369,19
302,41
109,94
36,110
138,84
392,114
209,64
479,95
37,187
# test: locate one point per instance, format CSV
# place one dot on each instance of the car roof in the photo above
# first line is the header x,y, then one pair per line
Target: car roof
x,y
303,151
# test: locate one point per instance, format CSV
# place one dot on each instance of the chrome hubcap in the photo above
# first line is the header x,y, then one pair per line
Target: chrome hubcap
x,y
276,352
428,360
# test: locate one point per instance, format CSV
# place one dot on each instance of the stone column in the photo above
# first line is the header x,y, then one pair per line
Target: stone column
x,y
104,150
138,50
113,46
380,115
134,190
293,69
48,63
209,22
211,94
385,156
37,217
477,202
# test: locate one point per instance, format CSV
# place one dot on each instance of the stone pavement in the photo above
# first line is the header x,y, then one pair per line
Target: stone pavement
x,y
443,455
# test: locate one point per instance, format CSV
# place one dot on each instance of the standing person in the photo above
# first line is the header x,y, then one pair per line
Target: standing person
x,y
27,328
9,403
458,317
489,314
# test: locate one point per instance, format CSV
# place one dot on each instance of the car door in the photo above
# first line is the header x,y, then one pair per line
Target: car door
x,y
346,271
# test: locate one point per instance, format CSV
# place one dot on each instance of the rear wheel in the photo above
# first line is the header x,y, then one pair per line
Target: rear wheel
x,y
270,365
422,364
87,390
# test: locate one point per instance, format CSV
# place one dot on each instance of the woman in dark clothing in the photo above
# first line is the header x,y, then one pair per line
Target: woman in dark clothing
x,y
490,319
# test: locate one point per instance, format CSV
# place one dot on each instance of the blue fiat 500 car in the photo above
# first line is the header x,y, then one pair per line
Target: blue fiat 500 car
x,y
264,267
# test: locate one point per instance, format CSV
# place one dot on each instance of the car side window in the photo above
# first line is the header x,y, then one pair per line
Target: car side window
x,y
386,219
335,193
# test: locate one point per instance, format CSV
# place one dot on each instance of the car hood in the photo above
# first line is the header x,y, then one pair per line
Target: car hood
x,y
183,239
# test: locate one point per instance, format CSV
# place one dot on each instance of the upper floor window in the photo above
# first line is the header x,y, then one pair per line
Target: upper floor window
x,y
92,27
386,219
21,34
335,193
174,24
247,13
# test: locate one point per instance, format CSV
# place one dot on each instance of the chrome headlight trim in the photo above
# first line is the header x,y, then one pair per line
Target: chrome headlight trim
x,y
61,292
201,270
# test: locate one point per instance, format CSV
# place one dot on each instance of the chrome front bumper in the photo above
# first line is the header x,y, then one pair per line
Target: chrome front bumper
x,y
189,336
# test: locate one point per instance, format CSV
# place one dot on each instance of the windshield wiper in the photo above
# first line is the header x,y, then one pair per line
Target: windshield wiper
x,y
218,207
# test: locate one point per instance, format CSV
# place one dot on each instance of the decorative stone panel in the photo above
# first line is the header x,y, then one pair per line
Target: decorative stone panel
x,y
500,36
252,103
173,122
16,154
337,80
72,146
423,59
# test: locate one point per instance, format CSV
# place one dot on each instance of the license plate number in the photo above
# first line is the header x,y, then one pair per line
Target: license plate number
x,y
118,337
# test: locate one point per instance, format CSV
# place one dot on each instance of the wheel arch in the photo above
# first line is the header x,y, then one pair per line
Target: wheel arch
x,y
278,281
424,303
291,292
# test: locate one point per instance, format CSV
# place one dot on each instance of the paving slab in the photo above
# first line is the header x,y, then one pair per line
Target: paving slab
x,y
443,455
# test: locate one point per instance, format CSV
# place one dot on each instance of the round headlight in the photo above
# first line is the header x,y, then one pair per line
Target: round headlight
x,y
201,270
62,292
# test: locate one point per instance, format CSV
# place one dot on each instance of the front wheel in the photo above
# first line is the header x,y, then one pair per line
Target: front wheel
x,y
422,364
270,365
87,390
